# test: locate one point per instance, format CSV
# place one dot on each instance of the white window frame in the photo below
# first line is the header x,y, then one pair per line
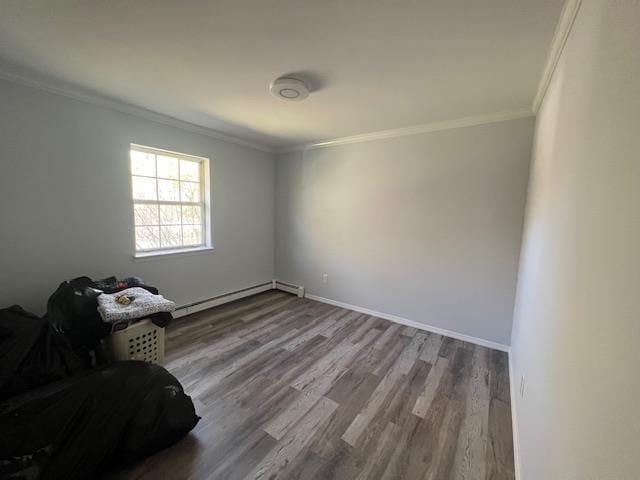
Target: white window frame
x,y
205,203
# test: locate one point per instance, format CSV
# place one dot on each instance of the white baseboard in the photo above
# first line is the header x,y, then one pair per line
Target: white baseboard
x,y
514,421
413,323
220,299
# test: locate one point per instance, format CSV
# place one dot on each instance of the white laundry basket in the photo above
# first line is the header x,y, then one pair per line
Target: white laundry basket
x,y
143,340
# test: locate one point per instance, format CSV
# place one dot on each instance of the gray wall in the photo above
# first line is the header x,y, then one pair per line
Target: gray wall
x,y
576,333
65,202
427,227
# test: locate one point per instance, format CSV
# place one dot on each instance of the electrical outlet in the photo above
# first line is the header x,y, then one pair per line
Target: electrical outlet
x,y
522,387
325,278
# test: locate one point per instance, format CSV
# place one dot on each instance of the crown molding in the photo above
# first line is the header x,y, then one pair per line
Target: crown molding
x,y
560,36
129,109
416,129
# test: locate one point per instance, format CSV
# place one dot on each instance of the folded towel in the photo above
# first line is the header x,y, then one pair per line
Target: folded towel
x,y
143,303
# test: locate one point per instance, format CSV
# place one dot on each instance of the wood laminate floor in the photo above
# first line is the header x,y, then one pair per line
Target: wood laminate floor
x,y
292,388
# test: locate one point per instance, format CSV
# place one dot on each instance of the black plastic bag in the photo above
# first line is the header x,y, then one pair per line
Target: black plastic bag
x,y
73,310
83,425
31,353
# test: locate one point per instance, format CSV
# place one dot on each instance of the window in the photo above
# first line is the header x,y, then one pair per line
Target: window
x,y
170,201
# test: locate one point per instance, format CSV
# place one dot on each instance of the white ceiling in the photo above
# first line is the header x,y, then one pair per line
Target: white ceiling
x,y
375,64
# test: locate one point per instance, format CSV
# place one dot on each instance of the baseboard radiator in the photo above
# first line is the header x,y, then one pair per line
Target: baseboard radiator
x,y
287,287
194,307
183,310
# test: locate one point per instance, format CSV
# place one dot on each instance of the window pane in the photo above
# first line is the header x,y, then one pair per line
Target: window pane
x,y
189,171
171,236
143,163
192,234
144,188
170,214
146,214
191,214
168,167
190,192
168,190
168,200
147,238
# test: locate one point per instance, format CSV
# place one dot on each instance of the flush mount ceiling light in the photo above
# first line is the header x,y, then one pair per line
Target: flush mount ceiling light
x,y
290,89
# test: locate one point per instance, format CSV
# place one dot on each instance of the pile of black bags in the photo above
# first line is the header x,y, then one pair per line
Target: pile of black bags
x,y
61,418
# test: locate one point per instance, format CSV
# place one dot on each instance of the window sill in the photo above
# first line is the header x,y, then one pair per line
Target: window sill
x,y
170,253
